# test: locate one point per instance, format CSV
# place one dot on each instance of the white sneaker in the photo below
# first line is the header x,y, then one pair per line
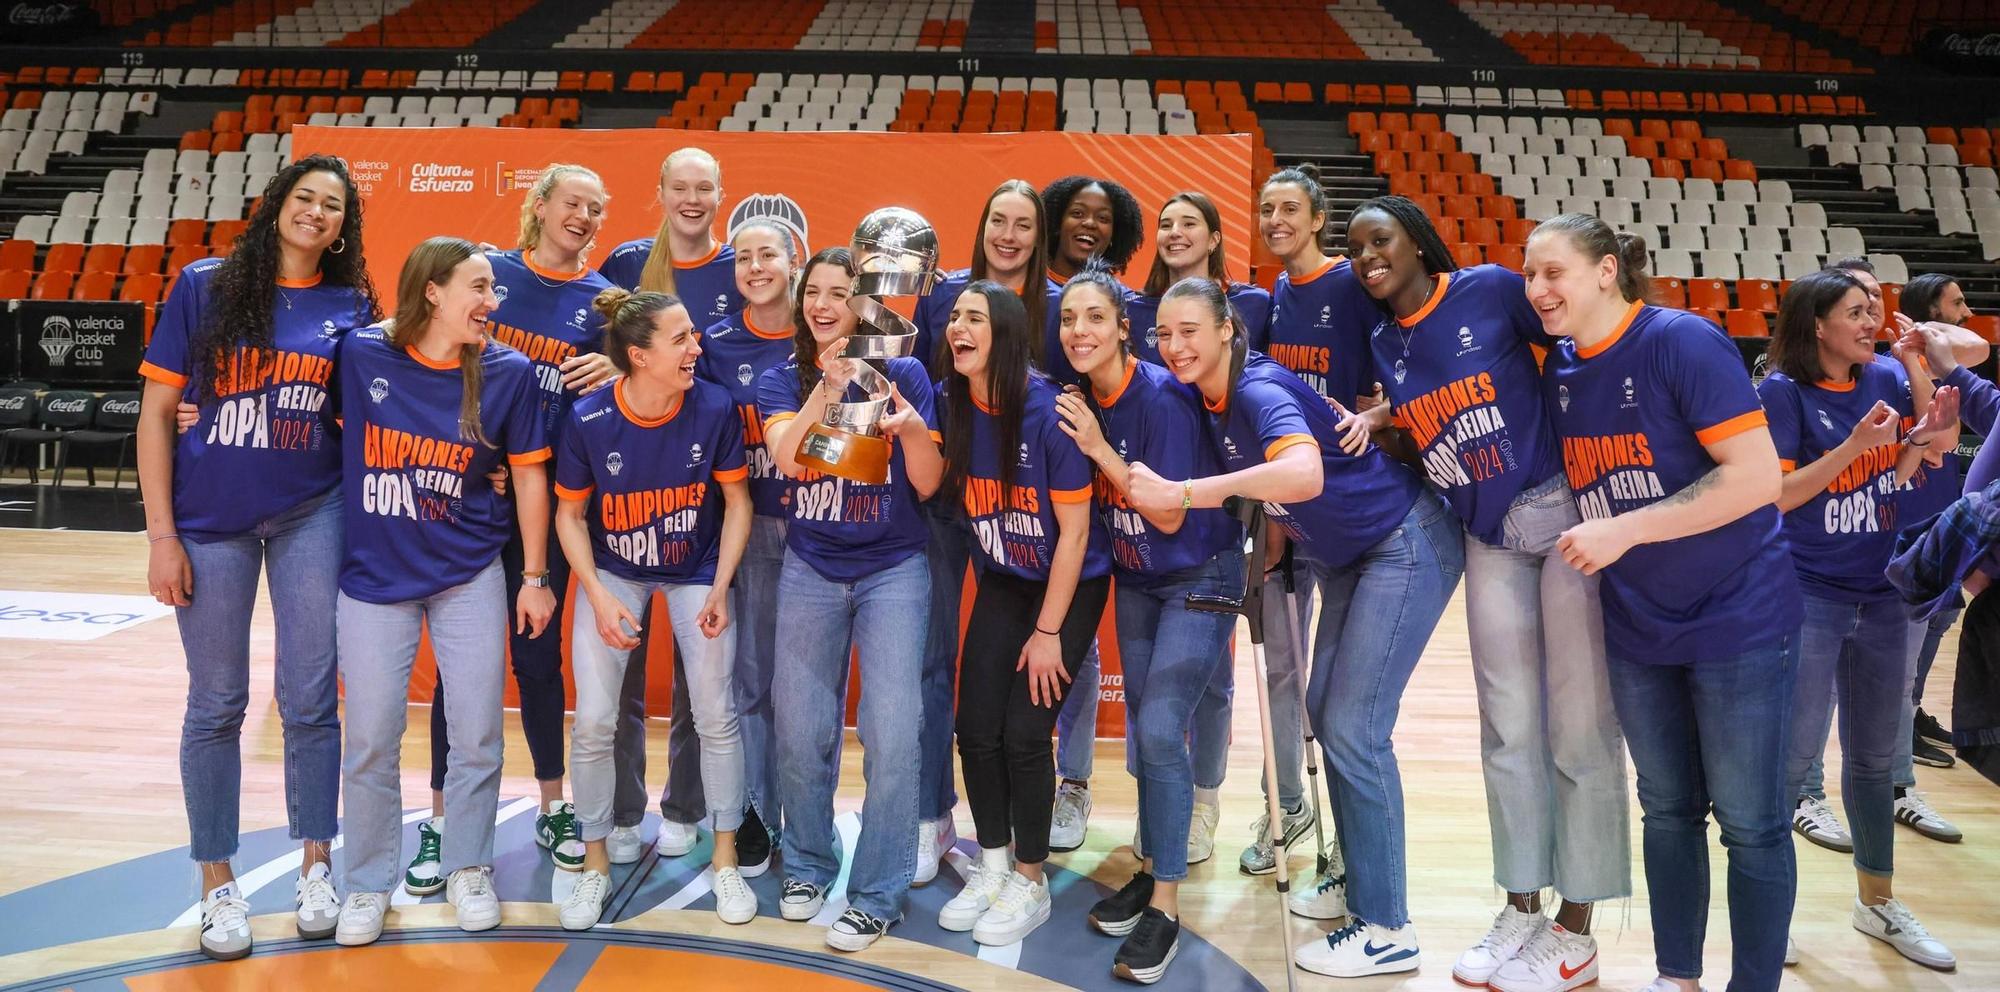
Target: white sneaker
x,y
225,922
624,845
1511,930
361,918
934,837
1663,985
586,900
1791,952
1553,960
1022,906
1892,923
982,886
676,839
1201,833
1914,811
1815,821
557,830
1360,949
1324,898
801,900
1259,858
734,902
855,931
425,874
1069,818
470,892
319,908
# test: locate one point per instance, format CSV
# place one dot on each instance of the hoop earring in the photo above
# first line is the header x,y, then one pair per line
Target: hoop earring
x,y
339,245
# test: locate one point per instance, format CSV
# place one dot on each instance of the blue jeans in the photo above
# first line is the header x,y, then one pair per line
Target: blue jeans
x,y
301,549
378,645
1076,723
1548,737
1933,636
1709,735
1170,654
1285,673
753,598
947,554
1377,614
877,616
1208,734
1863,653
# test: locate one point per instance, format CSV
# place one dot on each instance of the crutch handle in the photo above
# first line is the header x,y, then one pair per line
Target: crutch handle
x,y
1208,603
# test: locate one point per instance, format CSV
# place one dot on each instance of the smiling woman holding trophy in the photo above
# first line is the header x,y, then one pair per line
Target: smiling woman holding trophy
x,y
850,419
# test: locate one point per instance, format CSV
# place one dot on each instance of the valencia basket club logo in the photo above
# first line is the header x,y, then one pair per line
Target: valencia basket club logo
x,y
776,207
58,339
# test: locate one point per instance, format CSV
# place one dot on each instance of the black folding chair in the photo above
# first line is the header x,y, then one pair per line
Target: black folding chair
x,y
61,413
18,411
114,420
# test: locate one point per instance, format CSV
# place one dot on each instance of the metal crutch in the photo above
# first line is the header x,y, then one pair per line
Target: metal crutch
x,y
1288,567
1251,607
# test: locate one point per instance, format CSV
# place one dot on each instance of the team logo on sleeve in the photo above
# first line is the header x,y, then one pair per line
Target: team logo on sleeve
x,y
379,389
1562,398
613,462
744,373
500,291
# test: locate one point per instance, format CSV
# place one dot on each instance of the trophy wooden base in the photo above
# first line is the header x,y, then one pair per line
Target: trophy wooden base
x,y
859,458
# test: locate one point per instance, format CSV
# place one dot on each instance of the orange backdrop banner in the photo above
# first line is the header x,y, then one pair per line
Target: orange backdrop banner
x,y
470,182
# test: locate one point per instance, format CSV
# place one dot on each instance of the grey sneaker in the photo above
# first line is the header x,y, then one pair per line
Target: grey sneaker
x,y
1257,859
225,923
319,908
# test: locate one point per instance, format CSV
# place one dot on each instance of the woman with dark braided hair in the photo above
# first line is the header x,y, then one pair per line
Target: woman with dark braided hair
x,y
1452,351
249,340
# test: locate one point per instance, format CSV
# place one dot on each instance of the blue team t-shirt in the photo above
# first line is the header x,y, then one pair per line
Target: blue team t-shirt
x,y
1319,330
269,440
933,314
1841,538
1465,385
1252,303
421,517
546,316
706,286
734,353
1364,497
1016,534
844,529
1153,418
1633,414
653,515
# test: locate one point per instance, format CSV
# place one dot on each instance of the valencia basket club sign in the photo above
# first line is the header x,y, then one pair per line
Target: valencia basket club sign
x,y
469,182
66,343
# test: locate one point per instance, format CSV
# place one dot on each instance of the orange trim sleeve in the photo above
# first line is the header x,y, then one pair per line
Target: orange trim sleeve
x,y
1731,427
530,457
1288,441
577,495
736,474
162,376
1070,495
1787,465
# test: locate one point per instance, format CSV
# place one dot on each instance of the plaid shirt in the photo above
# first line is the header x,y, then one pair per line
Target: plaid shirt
x,y
1934,557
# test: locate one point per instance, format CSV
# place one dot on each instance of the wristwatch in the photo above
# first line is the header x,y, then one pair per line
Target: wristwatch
x,y
535,580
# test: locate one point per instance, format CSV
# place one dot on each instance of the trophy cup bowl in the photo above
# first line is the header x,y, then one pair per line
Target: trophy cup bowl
x,y
895,254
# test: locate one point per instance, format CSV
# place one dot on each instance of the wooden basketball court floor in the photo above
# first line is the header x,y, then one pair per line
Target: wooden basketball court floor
x,y
91,819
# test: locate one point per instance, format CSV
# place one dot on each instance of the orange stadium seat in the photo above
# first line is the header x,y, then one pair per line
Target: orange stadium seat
x,y
1746,324
1670,292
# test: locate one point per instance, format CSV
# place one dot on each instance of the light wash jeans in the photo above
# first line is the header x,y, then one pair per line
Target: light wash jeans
x,y
879,616
1710,735
301,550
754,619
1286,669
1076,723
1377,615
1548,734
600,681
378,645
1865,654
1170,654
947,554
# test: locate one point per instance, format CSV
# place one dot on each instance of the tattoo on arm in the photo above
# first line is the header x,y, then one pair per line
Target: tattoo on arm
x,y
1694,490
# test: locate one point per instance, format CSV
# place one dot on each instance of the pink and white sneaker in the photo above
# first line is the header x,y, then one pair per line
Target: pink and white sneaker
x,y
1553,960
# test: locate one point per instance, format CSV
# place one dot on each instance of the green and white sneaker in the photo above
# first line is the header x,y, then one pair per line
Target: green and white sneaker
x,y
426,874
557,831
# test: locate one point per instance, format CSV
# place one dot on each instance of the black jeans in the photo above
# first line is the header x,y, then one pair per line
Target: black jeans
x,y
537,671
1003,738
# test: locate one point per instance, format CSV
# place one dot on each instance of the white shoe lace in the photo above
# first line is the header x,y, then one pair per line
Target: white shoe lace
x,y
370,903
1507,928
589,889
1819,816
1540,948
1915,802
473,882
1900,916
729,885
227,913
1260,831
1069,806
1015,898
316,894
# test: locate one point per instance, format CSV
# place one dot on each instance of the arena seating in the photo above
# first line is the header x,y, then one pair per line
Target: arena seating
x,y
1695,34
1888,28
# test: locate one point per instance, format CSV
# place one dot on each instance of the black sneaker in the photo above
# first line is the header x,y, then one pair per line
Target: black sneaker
x,y
1929,729
753,845
855,930
1923,752
1145,955
1117,913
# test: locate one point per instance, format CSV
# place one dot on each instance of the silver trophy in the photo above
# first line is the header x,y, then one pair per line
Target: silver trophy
x,y
895,254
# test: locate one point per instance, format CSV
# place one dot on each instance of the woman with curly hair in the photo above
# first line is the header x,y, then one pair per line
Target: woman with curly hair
x,y
249,340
